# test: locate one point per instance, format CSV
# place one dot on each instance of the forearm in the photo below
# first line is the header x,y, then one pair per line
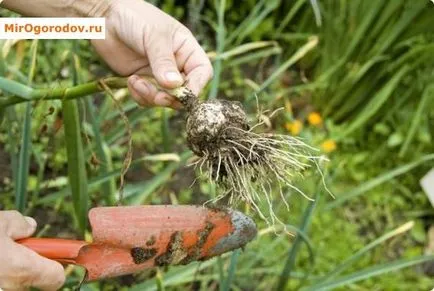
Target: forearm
x,y
58,8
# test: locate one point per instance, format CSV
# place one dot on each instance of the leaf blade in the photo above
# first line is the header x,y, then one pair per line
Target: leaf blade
x,y
76,162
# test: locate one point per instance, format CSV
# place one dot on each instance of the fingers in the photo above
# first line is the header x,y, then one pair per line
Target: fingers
x,y
14,225
198,78
194,62
47,275
145,94
22,268
118,56
159,49
186,55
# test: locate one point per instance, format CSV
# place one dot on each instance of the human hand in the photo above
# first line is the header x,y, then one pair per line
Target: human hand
x,y
20,267
140,39
143,40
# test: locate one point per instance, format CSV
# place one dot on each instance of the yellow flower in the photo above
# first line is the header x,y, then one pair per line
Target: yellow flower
x,y
314,119
328,146
294,127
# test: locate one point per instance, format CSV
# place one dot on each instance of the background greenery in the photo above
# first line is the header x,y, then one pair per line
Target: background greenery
x,y
365,67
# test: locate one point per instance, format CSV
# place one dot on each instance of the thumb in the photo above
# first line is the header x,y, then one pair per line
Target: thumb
x,y
160,54
16,226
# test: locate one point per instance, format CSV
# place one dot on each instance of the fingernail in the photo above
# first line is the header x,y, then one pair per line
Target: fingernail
x,y
141,88
174,77
133,78
30,221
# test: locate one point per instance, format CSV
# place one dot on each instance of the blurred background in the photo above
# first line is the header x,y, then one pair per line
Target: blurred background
x,y
355,79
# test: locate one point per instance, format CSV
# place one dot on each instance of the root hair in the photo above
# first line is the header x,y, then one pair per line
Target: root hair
x,y
249,168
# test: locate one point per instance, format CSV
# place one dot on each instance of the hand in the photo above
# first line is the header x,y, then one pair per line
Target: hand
x,y
20,267
141,39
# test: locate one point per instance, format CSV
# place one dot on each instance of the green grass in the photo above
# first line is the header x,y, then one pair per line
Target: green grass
x,y
366,67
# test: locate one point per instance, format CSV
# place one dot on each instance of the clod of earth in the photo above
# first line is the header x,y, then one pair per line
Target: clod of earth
x,y
175,251
195,251
141,255
177,254
151,241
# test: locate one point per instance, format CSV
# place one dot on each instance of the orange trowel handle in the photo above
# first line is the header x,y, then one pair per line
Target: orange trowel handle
x,y
61,250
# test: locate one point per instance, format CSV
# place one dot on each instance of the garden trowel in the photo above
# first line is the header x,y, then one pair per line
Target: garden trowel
x,y
132,238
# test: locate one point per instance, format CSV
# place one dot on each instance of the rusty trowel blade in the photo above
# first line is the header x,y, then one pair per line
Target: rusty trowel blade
x,y
132,238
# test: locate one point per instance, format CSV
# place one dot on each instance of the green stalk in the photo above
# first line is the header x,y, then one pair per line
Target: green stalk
x,y
345,265
221,34
374,105
103,153
41,161
2,115
26,139
371,184
428,93
75,154
292,254
76,162
371,272
16,88
160,280
289,16
70,93
220,273
299,54
23,162
12,141
9,115
57,93
231,271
